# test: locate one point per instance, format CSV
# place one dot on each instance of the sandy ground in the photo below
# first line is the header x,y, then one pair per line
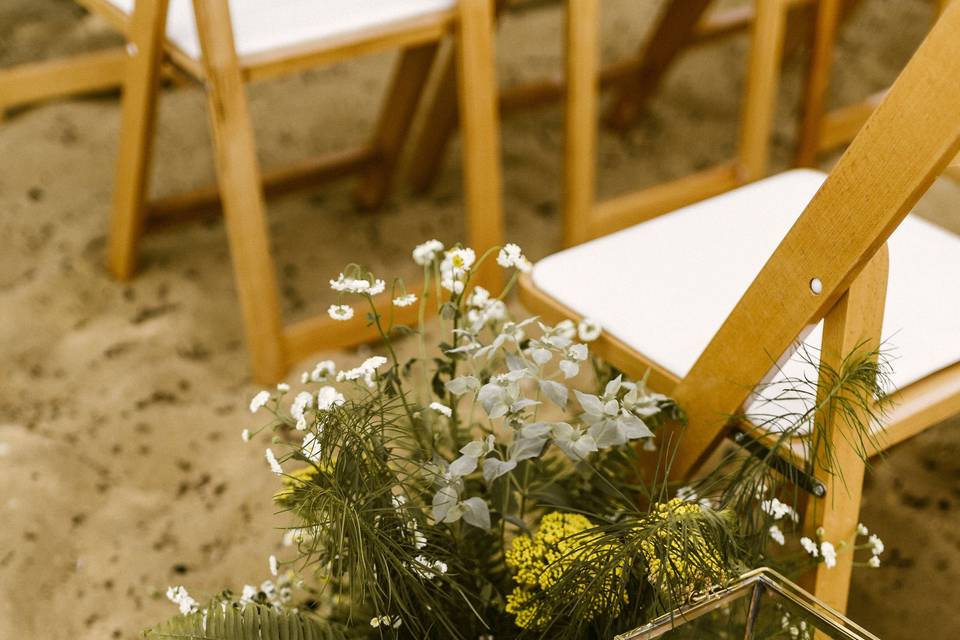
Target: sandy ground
x,y
121,466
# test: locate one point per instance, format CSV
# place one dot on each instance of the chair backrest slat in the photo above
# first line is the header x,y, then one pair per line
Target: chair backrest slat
x,y
904,146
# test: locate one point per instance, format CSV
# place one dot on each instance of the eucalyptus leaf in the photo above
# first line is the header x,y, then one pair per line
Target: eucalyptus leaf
x,y
476,512
493,468
463,384
555,392
463,466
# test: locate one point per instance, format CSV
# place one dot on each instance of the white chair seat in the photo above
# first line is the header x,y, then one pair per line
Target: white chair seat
x,y
265,25
666,286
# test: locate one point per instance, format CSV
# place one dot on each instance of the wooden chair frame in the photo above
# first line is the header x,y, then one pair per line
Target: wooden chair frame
x,y
904,146
822,130
241,186
583,218
632,79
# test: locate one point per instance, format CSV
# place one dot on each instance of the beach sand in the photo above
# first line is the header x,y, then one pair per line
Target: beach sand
x,y
121,465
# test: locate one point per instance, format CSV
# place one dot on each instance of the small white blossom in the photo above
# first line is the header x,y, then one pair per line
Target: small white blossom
x,y
323,370
777,535
778,510
249,594
809,546
441,408
298,409
376,288
405,301
862,529
180,597
283,387
365,370
245,435
588,330
272,562
511,256
274,464
829,554
876,544
259,401
425,253
328,397
350,285
874,561
340,311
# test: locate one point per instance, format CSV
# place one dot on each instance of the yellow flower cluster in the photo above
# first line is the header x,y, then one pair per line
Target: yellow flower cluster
x,y
293,481
540,562
678,573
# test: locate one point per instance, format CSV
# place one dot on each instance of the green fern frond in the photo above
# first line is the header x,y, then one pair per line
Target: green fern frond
x,y
221,621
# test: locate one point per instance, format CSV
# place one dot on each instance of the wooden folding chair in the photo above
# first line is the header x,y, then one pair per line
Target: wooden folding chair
x,y
226,44
707,296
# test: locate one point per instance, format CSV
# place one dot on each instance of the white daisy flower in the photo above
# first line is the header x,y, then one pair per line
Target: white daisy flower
x,y
588,330
777,535
829,554
425,253
457,262
441,408
259,401
405,301
274,463
340,311
329,397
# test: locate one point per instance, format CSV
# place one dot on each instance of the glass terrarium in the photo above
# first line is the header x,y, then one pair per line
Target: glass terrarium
x,y
762,604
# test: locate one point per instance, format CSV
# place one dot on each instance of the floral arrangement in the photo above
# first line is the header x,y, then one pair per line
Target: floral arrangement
x,y
487,487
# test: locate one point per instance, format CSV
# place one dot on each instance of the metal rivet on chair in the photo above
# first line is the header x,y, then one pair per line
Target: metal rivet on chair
x,y
816,286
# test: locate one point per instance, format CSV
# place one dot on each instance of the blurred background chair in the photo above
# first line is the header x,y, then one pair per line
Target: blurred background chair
x,y
707,296
224,45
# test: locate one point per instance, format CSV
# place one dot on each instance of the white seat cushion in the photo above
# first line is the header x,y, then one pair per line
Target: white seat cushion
x,y
264,25
666,286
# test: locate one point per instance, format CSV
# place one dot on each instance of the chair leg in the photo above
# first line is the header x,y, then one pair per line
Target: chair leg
x,y
817,82
440,124
763,75
406,88
481,134
580,155
673,33
853,324
238,175
140,94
